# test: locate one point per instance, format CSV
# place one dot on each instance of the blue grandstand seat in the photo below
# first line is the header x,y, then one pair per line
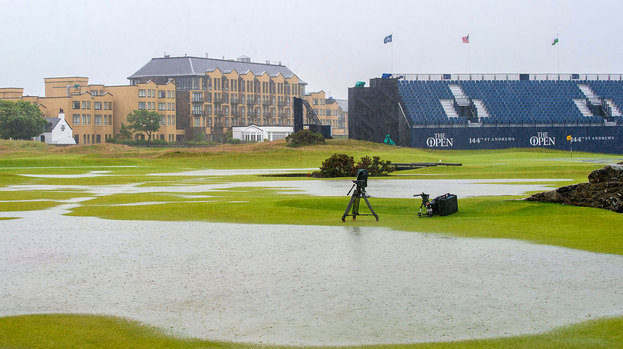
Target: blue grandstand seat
x,y
526,102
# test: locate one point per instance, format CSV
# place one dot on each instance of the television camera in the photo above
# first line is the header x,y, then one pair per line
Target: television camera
x,y
359,192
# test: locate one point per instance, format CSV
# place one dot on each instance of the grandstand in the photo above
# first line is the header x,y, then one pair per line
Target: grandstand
x,y
491,111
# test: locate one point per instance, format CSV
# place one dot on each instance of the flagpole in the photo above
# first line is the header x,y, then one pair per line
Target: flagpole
x,y
558,55
469,50
392,71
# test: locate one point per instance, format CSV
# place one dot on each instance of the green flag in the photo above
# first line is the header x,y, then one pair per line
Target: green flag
x,y
555,41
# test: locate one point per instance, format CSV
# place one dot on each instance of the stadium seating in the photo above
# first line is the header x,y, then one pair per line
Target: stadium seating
x,y
508,102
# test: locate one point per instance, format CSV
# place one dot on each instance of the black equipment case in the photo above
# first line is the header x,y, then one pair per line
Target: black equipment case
x,y
445,204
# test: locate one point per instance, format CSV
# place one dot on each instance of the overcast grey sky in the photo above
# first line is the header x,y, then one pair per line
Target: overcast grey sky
x,y
329,44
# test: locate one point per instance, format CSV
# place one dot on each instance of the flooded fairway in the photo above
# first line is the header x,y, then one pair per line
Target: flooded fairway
x,y
300,285
379,188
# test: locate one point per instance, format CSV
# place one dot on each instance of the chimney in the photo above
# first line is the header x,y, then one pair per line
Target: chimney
x,y
61,114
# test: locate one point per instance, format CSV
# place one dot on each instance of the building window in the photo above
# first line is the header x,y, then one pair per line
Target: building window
x,y
163,120
197,97
197,109
97,120
162,106
76,119
76,104
97,105
141,105
141,93
197,122
162,94
208,110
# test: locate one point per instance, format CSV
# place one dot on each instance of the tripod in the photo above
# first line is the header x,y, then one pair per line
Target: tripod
x,y
426,204
359,193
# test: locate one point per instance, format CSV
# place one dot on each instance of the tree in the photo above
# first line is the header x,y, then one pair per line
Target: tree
x,y
20,120
144,121
124,132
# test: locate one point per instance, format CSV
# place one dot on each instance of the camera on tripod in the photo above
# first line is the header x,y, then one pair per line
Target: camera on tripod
x,y
359,187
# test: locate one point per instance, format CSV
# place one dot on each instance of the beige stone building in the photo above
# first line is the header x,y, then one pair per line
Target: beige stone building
x,y
197,99
214,95
95,112
150,96
330,111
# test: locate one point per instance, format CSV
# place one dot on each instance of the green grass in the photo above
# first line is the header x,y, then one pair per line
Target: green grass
x,y
89,331
483,217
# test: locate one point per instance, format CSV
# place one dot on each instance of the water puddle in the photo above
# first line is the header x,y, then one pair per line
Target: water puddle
x,y
299,285
238,172
382,188
78,175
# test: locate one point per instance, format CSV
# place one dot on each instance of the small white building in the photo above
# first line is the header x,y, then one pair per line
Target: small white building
x,y
253,133
57,131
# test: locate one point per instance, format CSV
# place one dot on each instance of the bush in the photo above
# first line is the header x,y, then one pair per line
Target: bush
x,y
376,166
342,165
304,137
338,165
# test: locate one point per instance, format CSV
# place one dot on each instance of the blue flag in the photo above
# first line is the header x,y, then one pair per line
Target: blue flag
x,y
387,39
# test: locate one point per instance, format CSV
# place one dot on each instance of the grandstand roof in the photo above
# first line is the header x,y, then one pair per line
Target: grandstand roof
x,y
198,66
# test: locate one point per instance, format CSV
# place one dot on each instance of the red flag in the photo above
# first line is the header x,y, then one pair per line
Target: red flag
x,y
465,39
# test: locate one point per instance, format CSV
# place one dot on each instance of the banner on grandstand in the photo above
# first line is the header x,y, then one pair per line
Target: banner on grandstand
x,y
604,139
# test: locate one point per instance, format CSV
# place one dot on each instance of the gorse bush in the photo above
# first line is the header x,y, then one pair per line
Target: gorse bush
x,y
338,165
304,137
375,167
342,165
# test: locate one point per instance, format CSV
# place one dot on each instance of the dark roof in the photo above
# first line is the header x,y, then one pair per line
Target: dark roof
x,y
52,122
197,66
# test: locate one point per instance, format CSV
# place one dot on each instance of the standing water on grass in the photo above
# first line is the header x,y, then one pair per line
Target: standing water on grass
x,y
299,285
